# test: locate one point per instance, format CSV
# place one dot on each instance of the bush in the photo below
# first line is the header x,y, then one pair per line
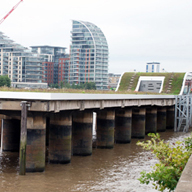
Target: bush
x,y
172,160
5,81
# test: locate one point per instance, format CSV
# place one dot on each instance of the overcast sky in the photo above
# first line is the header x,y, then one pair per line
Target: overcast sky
x,y
137,31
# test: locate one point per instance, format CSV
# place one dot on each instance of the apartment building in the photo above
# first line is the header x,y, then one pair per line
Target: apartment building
x,y
18,62
55,64
88,55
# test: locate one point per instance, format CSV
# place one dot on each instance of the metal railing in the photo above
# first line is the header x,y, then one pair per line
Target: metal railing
x,y
183,113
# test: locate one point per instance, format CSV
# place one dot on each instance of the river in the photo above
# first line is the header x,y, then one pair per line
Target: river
x,y
107,170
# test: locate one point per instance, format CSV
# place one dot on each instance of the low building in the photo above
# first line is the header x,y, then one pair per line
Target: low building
x,y
29,85
153,67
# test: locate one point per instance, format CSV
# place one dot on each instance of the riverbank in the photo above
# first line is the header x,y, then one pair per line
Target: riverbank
x,y
185,181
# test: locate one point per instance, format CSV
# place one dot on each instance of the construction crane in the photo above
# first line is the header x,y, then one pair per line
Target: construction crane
x,y
3,19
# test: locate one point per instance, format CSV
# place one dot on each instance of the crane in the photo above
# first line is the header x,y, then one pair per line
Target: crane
x,y
3,19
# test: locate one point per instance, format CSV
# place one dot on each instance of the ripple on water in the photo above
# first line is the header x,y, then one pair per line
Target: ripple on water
x,y
106,170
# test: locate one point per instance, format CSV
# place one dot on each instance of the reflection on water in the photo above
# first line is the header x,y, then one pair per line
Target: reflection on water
x,y
106,170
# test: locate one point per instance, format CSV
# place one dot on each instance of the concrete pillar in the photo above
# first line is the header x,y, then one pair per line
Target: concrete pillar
x,y
151,120
161,119
35,150
10,135
105,128
82,133
0,131
170,117
47,130
138,122
123,124
60,130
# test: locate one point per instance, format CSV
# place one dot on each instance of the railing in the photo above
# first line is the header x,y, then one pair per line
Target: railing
x,y
183,113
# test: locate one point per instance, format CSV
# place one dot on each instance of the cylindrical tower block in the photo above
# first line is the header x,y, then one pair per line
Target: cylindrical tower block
x,y
105,128
138,122
36,143
151,120
170,117
123,124
60,131
10,135
82,133
161,119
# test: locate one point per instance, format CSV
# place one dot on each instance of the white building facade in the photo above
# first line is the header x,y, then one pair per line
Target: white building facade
x,y
18,62
153,67
88,55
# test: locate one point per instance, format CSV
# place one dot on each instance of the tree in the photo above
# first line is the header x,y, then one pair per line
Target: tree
x,y
172,160
5,81
61,84
90,85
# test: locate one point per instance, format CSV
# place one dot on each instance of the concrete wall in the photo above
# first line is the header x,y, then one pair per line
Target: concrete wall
x,y
185,181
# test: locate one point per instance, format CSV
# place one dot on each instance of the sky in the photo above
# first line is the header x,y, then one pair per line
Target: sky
x,y
137,31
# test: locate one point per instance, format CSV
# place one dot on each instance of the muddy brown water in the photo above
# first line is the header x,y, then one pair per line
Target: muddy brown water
x,y
108,170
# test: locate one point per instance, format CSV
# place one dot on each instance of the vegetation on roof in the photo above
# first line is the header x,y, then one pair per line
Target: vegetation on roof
x,y
176,80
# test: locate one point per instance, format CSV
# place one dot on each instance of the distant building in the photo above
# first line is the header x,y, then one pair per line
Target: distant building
x,y
29,85
153,67
18,62
63,69
113,80
55,65
48,52
48,72
88,55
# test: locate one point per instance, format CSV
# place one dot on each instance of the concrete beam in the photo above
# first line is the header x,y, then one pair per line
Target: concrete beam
x,y
60,105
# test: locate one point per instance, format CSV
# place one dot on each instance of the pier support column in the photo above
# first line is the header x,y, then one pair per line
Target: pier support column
x,y
123,124
35,150
60,130
0,130
170,117
138,122
82,133
10,135
161,119
151,120
105,128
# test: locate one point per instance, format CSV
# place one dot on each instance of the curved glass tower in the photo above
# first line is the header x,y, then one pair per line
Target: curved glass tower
x,y
88,55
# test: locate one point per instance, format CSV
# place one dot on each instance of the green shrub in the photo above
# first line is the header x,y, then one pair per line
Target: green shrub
x,y
5,81
172,160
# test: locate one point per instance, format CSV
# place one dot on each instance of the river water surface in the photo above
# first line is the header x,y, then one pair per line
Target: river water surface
x,y
108,170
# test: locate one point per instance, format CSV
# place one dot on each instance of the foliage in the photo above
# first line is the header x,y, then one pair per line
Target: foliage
x,y
188,143
54,85
172,160
87,86
177,80
5,81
